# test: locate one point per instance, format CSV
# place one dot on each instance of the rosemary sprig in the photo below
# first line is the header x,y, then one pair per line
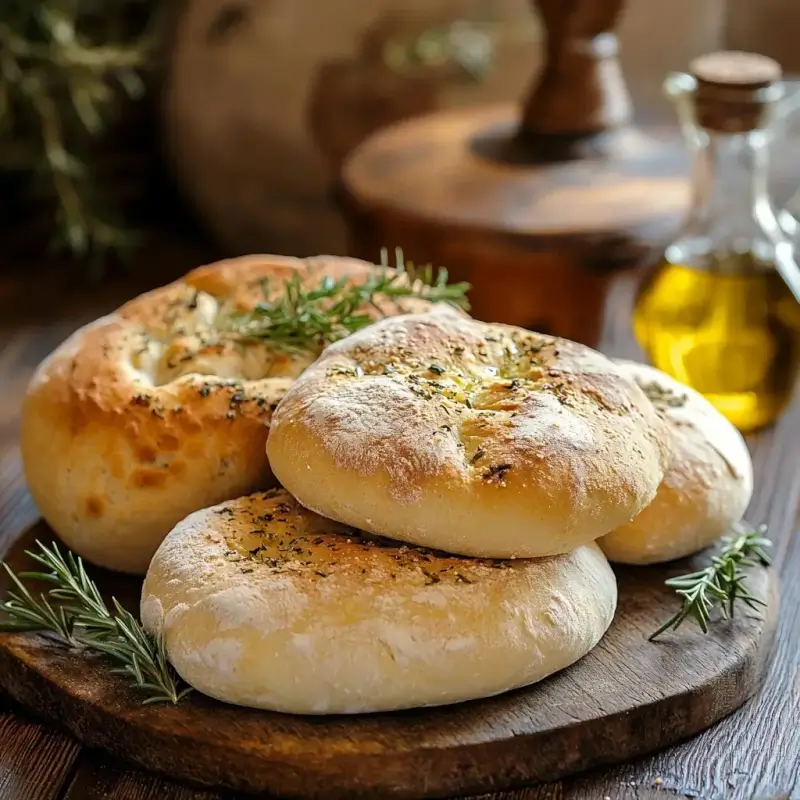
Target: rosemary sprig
x,y
309,318
29,614
75,614
722,583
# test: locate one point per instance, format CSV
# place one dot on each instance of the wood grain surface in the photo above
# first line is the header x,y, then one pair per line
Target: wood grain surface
x,y
751,754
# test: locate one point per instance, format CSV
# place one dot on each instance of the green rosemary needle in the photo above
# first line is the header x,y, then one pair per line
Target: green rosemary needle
x,y
75,614
303,318
722,583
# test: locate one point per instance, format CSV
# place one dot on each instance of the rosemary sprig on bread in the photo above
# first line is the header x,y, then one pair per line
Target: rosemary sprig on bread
x,y
75,615
722,584
303,318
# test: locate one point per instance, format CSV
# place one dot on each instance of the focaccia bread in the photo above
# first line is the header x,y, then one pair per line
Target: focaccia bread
x,y
707,486
265,604
478,439
159,409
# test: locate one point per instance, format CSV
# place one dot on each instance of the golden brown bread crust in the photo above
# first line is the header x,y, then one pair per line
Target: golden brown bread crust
x,y
706,487
479,439
150,413
265,604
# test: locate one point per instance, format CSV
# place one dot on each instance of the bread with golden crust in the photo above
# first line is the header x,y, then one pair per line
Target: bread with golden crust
x,y
152,412
473,438
265,604
706,488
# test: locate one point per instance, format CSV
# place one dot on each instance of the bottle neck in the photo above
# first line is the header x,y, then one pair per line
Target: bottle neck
x,y
730,196
733,226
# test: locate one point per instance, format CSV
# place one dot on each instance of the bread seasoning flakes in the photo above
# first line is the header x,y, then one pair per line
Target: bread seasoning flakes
x,y
496,473
662,396
477,456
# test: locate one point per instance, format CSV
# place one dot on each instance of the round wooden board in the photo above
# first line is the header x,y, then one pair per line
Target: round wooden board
x,y
626,698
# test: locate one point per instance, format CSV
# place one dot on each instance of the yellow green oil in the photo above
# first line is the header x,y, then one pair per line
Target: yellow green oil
x,y
732,334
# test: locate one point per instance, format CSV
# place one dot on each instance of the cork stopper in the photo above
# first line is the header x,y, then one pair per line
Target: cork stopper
x,y
736,91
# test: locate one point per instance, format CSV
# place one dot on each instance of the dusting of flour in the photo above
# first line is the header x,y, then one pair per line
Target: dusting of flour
x,y
377,424
545,420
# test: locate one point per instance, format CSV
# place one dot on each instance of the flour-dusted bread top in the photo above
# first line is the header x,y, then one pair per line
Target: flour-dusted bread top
x,y
706,487
473,438
158,409
265,604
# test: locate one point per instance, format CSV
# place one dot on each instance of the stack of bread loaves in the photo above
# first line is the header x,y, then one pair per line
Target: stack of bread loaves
x,y
444,482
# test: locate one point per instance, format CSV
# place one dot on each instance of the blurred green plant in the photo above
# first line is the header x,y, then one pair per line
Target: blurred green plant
x,y
464,44
65,68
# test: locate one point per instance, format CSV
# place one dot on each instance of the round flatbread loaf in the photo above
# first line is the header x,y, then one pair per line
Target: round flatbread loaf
x,y
157,410
478,439
707,485
265,604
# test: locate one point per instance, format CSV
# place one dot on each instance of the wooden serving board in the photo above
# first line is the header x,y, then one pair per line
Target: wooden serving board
x,y
625,698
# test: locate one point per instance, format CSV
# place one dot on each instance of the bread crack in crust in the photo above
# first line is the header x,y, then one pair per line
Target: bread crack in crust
x,y
479,439
159,409
265,604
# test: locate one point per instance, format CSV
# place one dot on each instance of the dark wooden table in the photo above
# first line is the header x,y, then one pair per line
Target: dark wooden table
x,y
753,754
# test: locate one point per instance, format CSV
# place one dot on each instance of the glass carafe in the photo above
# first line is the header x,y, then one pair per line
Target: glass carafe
x,y
721,310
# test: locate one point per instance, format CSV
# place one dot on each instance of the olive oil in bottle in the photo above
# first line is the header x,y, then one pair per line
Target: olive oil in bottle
x,y
720,312
733,336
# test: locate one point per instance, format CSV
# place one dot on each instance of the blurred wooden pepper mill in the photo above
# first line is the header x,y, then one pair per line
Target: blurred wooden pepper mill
x,y
536,207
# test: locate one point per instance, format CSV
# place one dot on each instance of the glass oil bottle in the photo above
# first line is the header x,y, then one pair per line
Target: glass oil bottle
x,y
721,311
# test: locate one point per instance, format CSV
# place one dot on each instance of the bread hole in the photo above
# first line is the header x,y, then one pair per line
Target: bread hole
x,y
190,339
95,507
168,442
146,454
473,433
145,357
227,358
147,478
498,387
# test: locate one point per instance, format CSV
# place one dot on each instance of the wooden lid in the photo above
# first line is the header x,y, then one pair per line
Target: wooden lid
x,y
436,169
